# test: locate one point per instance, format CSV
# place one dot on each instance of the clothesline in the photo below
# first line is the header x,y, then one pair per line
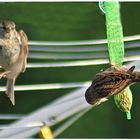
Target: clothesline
x,y
85,42
93,48
78,63
74,56
49,86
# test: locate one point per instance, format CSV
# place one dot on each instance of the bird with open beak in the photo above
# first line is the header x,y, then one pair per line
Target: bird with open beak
x,y
13,55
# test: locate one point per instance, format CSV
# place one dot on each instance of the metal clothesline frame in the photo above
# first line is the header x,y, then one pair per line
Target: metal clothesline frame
x,y
60,109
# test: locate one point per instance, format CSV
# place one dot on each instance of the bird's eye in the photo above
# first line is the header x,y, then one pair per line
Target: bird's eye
x,y
117,78
4,28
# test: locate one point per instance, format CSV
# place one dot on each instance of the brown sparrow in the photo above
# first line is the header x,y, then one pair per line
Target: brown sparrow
x,y
110,82
13,55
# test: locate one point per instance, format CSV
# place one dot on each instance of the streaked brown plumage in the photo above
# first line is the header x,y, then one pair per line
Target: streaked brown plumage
x,y
110,82
13,55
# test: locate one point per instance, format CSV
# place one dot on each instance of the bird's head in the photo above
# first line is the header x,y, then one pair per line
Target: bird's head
x,y
8,28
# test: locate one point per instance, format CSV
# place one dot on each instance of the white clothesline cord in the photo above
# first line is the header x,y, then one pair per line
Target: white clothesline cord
x,y
29,125
49,86
78,63
74,56
86,42
95,48
11,116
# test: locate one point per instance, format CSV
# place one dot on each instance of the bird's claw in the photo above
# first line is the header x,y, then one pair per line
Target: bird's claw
x,y
3,74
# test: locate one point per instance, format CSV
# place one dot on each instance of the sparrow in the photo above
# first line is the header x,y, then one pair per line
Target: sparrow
x,y
110,82
13,55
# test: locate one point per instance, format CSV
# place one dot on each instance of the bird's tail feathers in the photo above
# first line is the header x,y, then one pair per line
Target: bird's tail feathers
x,y
10,90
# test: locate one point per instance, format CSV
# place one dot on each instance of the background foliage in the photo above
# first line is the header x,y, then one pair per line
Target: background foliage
x,y
71,22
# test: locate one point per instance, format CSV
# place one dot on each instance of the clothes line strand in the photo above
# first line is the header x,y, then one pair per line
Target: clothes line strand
x,y
86,42
73,56
78,63
49,86
11,116
95,48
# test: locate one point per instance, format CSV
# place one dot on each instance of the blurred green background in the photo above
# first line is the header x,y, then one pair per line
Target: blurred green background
x,y
71,22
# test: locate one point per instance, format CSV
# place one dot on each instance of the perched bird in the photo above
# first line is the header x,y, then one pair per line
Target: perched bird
x,y
110,82
13,55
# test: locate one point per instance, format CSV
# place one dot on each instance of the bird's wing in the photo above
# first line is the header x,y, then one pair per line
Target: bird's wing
x,y
24,48
112,83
